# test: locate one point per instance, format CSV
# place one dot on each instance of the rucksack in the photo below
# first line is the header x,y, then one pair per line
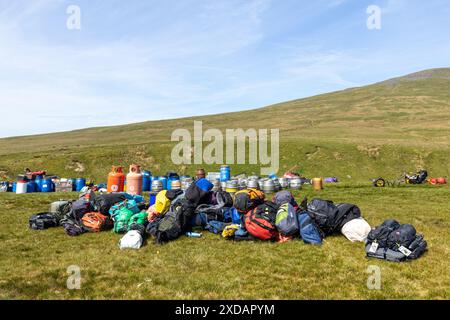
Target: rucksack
x,y
403,236
72,227
42,221
381,233
96,222
284,196
260,222
346,213
286,220
309,231
60,208
79,209
222,199
248,199
195,195
104,202
217,211
324,214
169,227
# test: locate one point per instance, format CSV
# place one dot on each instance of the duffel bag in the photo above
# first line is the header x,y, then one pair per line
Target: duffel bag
x,y
42,221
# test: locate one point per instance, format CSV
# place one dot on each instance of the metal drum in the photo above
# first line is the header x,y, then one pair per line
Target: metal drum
x,y
242,184
232,186
276,184
186,183
253,184
295,183
225,173
284,183
157,185
175,185
268,186
217,185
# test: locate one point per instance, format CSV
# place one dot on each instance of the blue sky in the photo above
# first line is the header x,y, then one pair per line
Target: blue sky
x,y
147,60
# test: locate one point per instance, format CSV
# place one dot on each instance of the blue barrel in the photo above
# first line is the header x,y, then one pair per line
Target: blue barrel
x,y
80,183
225,173
74,184
38,182
152,198
163,180
31,187
146,181
172,177
14,187
47,185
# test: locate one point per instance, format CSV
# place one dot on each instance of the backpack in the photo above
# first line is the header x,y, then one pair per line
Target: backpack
x,y
169,227
403,236
284,197
104,202
195,195
248,199
79,209
131,240
346,213
381,233
72,227
204,184
42,221
260,222
324,213
286,220
60,209
309,231
96,222
222,199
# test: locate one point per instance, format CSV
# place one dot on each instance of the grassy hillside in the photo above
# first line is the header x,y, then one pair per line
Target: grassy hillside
x,y
399,124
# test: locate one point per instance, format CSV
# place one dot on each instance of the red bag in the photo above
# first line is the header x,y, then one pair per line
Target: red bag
x,y
260,222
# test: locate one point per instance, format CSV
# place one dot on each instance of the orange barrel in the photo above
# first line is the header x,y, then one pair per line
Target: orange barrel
x,y
116,180
134,180
317,184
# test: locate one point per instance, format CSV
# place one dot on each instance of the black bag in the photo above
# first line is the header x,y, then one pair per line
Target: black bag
x,y
195,195
173,194
73,227
346,212
104,202
402,236
324,213
215,211
79,209
381,233
42,221
169,227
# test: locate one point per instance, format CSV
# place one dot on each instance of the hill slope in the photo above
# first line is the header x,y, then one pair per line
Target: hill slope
x,y
398,124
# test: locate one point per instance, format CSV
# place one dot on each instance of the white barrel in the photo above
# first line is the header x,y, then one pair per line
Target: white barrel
x,y
21,187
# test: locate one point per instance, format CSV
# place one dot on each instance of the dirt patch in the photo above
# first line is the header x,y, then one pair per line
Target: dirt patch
x,y
76,166
371,151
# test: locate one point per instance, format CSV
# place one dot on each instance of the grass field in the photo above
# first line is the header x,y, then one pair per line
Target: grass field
x,y
33,264
384,129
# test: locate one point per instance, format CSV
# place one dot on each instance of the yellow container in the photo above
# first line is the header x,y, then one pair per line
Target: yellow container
x,y
317,184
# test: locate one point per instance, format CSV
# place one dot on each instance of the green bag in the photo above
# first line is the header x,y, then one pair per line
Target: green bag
x,y
139,218
122,219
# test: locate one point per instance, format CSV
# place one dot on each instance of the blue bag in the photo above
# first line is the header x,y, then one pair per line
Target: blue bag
x,y
309,232
215,227
204,184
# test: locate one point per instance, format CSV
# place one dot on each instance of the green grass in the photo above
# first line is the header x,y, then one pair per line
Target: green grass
x,y
33,264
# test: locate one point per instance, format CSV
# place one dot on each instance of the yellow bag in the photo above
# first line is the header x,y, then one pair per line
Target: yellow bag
x,y
162,203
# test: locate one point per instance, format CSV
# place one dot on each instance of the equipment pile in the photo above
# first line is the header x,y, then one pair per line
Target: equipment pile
x,y
247,215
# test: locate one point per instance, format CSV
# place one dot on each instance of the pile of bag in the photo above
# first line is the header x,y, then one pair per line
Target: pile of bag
x,y
246,216
395,242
